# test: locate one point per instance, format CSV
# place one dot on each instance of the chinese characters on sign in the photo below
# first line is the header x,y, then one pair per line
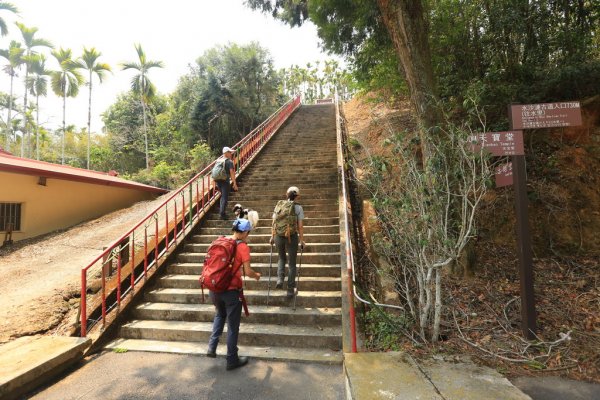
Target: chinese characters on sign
x,y
546,115
504,175
499,143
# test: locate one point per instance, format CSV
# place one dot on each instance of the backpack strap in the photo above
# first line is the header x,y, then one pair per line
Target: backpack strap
x,y
242,297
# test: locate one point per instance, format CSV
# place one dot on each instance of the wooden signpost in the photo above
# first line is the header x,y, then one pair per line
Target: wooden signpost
x,y
524,116
504,175
532,116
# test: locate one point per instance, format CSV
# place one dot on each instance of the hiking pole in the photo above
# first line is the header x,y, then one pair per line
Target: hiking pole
x,y
298,277
269,284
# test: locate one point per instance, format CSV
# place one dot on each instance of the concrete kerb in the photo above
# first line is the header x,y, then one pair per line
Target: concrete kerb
x,y
29,361
395,375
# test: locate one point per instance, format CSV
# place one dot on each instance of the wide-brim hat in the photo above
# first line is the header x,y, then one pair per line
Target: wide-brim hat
x,y
293,189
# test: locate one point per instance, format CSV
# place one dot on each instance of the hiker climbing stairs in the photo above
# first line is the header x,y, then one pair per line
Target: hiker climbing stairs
x,y
172,317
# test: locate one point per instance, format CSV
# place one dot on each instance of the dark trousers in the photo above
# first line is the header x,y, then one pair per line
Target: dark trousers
x,y
228,308
224,188
285,248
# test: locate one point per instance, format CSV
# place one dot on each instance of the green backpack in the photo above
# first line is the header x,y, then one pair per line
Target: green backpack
x,y
285,221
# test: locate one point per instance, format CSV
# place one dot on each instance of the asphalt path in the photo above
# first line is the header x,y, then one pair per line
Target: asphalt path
x,y
139,375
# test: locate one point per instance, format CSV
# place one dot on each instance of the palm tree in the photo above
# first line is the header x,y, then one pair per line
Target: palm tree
x,y
8,7
141,85
14,55
30,41
38,86
89,61
65,83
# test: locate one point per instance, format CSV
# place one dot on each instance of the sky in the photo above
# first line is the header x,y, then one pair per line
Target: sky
x,y
175,32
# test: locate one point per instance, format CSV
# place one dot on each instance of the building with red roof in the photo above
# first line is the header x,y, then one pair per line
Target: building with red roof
x,y
38,197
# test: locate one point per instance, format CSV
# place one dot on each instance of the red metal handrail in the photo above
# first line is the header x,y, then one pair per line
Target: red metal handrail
x,y
351,271
153,242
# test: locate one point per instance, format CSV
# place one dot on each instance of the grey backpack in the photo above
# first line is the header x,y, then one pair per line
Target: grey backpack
x,y
219,173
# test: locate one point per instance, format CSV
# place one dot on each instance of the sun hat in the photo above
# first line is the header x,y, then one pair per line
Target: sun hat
x,y
293,189
242,225
227,150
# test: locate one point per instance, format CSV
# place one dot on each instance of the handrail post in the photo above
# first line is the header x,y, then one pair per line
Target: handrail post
x,y
132,245
83,305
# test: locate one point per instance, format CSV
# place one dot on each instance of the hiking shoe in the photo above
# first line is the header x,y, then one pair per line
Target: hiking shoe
x,y
211,354
223,216
290,293
240,363
279,285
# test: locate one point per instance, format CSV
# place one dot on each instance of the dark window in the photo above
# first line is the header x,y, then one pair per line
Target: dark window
x,y
10,215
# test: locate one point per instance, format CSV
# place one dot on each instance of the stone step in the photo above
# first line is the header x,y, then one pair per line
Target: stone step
x,y
311,258
314,270
307,192
321,356
309,283
214,223
238,197
281,186
251,334
265,214
320,299
225,229
283,182
293,179
293,164
267,248
265,208
258,314
264,238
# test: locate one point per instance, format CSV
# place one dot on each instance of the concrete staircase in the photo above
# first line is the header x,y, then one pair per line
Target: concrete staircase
x,y
172,317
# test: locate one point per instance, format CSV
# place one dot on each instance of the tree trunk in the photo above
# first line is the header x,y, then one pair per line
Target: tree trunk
x,y
89,121
25,131
8,119
408,30
64,125
145,131
37,127
438,305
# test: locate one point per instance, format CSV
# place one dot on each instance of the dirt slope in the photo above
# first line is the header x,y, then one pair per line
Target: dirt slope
x,y
40,278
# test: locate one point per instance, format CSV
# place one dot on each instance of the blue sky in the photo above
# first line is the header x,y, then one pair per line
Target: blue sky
x,y
175,32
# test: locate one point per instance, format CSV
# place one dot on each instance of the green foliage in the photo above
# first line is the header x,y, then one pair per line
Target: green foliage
x,y
200,156
234,88
519,52
316,81
384,330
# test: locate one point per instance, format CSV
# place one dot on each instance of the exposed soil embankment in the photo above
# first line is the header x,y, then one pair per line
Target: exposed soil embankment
x,y
40,277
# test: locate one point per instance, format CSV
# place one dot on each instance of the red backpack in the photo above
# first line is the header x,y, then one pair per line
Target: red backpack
x,y
217,271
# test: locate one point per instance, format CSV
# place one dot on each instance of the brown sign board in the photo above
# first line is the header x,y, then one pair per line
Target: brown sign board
x,y
499,143
545,115
504,175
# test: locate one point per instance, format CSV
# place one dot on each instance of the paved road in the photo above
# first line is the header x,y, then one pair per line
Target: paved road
x,y
137,375
556,388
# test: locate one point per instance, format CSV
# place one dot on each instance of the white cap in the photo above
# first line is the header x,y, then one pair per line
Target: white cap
x,y
227,149
293,189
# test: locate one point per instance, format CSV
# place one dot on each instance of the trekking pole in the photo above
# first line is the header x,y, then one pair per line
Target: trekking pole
x,y
298,277
269,284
